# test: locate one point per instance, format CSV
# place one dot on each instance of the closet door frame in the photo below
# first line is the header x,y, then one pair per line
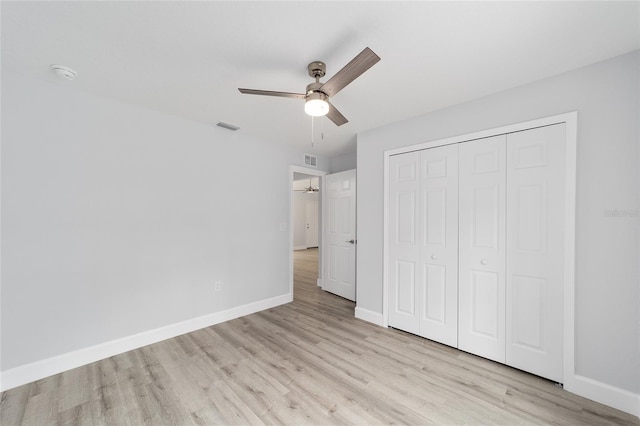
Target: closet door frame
x,y
570,120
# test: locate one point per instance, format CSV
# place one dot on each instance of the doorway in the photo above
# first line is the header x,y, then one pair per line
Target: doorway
x,y
306,214
305,223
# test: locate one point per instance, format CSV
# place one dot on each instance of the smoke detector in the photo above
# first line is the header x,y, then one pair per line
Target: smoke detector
x,y
64,72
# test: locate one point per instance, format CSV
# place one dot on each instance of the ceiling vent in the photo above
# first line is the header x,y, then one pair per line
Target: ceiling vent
x,y
310,160
227,126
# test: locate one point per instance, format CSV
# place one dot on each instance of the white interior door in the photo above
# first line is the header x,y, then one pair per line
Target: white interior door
x,y
404,272
438,285
482,227
535,246
311,225
340,234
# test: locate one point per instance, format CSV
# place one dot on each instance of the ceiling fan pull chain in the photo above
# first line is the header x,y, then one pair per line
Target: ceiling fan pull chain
x,y
321,130
312,131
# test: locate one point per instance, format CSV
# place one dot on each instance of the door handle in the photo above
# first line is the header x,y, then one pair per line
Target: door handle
x,y
351,241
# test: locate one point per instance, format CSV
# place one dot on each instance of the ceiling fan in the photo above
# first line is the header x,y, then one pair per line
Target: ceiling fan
x,y
309,189
317,94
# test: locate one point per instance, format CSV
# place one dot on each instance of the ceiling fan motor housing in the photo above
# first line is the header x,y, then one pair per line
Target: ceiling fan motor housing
x,y
314,88
316,95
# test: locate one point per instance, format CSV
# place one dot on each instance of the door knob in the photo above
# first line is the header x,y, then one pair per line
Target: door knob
x,y
483,261
434,257
351,241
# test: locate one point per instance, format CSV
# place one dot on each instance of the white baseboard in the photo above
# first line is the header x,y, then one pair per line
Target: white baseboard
x,y
47,367
319,282
369,316
299,248
603,393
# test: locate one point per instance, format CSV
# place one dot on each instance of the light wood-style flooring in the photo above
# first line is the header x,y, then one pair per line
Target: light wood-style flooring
x,y
307,362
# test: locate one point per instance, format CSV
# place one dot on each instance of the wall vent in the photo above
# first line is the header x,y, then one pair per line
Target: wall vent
x,y
310,160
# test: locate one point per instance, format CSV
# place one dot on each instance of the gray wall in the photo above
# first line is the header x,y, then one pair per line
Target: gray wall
x,y
117,220
606,96
343,162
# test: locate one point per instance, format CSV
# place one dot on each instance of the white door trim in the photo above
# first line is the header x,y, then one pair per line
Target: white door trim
x,y
571,121
311,172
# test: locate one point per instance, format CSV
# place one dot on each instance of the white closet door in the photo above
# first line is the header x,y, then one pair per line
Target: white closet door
x,y
404,241
535,245
438,287
482,247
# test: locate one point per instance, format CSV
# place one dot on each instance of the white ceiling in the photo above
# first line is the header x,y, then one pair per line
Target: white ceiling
x,y
189,58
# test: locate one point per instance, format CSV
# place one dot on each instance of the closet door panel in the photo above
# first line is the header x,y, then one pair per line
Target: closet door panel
x,y
535,246
439,244
482,247
405,271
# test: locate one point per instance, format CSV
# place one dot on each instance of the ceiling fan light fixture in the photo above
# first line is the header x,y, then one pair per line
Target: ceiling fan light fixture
x,y
316,104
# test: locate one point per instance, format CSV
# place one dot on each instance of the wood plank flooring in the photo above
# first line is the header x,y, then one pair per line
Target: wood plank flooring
x,y
307,362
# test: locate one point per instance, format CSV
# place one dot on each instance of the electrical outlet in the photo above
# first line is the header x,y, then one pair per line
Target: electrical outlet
x,y
217,286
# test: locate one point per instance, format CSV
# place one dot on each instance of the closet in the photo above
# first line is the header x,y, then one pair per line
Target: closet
x,y
475,247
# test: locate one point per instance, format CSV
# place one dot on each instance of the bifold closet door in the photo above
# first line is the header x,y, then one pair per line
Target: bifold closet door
x,y
423,243
404,241
481,307
476,243
535,246
438,285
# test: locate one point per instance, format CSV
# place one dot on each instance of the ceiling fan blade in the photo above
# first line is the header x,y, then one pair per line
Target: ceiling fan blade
x,y
336,116
272,93
354,69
